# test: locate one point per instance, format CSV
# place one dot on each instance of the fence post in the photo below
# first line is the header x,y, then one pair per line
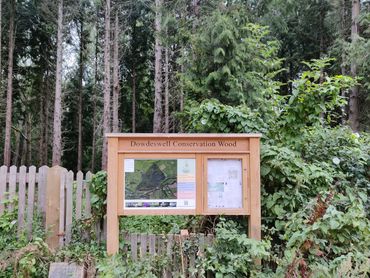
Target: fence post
x,y
54,178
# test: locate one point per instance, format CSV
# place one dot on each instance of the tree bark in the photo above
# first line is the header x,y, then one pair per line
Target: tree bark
x,y
57,127
106,112
81,70
42,125
133,104
9,95
157,120
116,85
166,94
353,116
93,154
48,93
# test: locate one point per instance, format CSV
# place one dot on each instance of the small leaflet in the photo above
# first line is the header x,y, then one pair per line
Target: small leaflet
x,y
129,165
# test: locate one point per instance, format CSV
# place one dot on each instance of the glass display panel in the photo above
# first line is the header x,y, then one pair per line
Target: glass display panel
x,y
225,183
159,183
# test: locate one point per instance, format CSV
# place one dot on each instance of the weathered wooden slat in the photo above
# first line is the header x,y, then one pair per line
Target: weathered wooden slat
x,y
3,181
104,233
152,242
30,199
87,195
170,245
12,186
21,198
201,246
41,188
191,259
133,245
143,245
69,206
62,207
79,182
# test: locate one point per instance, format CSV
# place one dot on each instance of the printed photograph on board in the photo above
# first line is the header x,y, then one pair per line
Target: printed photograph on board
x,y
159,183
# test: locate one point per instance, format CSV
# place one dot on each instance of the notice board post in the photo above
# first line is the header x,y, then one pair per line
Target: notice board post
x,y
183,174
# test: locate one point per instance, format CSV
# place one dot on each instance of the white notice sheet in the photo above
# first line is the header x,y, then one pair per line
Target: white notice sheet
x,y
225,183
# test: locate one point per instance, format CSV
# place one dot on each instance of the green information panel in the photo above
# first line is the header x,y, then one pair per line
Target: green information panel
x,y
159,183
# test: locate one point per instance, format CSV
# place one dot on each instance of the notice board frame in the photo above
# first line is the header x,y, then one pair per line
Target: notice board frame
x,y
198,146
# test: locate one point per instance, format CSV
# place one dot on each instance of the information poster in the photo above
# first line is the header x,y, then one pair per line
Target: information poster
x,y
159,183
225,183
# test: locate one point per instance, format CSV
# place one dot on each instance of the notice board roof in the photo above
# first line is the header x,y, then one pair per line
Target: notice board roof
x,y
184,135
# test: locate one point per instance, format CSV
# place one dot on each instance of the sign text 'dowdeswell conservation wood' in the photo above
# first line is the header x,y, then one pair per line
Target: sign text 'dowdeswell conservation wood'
x,y
183,174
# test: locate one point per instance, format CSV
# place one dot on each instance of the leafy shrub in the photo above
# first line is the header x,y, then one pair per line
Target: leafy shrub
x,y
233,254
326,232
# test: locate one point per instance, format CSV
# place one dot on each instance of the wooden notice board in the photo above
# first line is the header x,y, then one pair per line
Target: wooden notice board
x,y
182,174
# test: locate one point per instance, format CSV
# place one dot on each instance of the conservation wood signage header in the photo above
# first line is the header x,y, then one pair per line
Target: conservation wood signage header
x,y
183,174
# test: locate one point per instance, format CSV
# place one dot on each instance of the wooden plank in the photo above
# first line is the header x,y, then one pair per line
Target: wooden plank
x,y
143,245
152,242
178,262
79,195
191,256
160,245
30,199
21,199
254,223
170,244
3,179
52,206
133,245
87,195
41,188
62,207
12,186
201,250
112,206
199,189
69,206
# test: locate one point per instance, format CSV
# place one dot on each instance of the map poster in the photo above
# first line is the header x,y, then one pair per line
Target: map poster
x,y
159,183
225,183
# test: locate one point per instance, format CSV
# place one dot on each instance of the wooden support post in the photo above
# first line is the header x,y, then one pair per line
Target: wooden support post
x,y
54,178
254,223
112,206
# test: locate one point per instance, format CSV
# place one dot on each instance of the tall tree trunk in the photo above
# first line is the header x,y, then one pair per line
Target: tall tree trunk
x,y
48,93
42,125
57,127
166,94
343,70
93,154
116,85
18,142
133,104
81,69
353,116
9,95
106,112
157,120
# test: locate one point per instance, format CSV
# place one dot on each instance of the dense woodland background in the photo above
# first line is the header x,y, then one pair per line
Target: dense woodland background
x,y
296,71
73,70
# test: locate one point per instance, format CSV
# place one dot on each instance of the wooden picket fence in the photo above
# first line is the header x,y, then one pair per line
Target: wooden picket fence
x,y
182,251
27,187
